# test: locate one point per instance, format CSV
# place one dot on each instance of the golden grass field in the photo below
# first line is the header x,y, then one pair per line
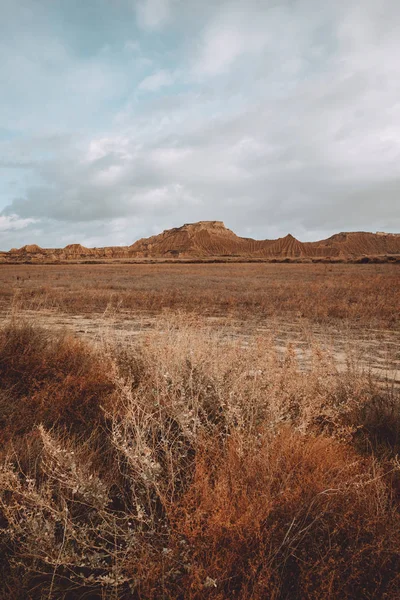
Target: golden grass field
x,y
199,431
366,294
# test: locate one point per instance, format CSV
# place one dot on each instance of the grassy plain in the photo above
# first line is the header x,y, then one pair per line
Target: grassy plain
x,y
197,459
367,294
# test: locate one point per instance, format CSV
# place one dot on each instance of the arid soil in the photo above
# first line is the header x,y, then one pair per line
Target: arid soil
x,y
375,352
350,312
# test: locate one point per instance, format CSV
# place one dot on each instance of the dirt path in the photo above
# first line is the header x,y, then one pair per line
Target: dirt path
x,y
375,351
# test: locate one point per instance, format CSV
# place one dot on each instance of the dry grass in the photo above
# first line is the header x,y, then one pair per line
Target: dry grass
x,y
192,467
49,379
362,294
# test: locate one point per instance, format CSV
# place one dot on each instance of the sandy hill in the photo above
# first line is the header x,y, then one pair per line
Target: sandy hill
x,y
205,238
362,244
211,239
29,249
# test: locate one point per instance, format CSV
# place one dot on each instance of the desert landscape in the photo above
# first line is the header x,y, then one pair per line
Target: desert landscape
x,y
211,240
199,430
199,300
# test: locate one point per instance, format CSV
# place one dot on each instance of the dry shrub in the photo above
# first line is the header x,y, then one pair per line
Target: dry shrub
x,y
378,423
291,517
49,379
230,472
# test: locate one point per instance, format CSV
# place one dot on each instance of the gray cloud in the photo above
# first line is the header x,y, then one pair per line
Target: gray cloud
x,y
276,120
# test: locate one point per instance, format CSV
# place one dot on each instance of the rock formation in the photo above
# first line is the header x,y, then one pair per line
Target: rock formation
x,y
211,239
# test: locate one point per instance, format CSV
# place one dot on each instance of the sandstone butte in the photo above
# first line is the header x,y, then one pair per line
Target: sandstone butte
x,y
208,240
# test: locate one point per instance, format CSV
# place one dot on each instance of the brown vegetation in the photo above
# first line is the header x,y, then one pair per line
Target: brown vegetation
x,y
191,467
361,294
49,379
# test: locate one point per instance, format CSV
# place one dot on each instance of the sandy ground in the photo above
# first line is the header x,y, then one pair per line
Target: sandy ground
x,y
374,351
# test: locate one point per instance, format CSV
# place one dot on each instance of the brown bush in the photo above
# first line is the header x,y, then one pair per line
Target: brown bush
x,y
228,472
378,423
292,517
49,379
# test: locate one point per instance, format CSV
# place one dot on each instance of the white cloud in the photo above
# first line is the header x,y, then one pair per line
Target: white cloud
x,y
101,147
13,222
156,81
152,14
224,42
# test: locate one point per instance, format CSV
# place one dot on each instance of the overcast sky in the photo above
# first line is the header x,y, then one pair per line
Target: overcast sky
x,y
120,118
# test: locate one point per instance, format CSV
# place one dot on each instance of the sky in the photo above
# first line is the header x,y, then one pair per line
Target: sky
x,y
121,118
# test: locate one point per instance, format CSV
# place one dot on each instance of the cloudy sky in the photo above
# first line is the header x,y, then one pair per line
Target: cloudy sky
x,y
120,118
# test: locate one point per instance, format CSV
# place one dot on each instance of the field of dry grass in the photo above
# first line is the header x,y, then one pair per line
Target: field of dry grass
x,y
198,459
360,294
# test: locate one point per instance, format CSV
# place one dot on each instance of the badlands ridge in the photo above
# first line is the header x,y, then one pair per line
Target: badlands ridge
x,y
212,240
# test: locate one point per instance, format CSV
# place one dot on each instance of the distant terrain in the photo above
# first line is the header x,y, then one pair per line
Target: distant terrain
x,y
208,240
